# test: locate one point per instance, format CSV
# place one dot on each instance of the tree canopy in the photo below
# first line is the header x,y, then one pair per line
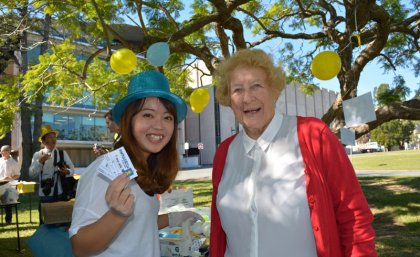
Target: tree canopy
x,y
363,31
394,133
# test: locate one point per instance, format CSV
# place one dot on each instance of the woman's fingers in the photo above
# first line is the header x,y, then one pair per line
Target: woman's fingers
x,y
128,205
124,205
116,187
119,196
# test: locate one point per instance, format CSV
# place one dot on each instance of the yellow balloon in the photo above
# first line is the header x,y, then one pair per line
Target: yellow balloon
x,y
197,109
199,98
123,61
326,65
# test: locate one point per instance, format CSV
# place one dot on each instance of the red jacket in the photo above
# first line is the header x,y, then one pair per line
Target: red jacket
x,y
340,215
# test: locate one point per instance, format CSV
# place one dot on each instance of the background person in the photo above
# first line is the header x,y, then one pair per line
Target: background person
x,y
283,185
47,170
9,167
9,170
99,149
120,218
113,128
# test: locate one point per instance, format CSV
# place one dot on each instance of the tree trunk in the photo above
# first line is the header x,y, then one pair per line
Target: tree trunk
x,y
25,115
30,143
25,112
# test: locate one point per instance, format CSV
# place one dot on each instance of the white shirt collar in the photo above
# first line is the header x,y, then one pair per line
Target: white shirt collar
x,y
266,137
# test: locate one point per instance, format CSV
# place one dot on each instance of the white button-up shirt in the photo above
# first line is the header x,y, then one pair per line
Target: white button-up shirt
x,y
39,171
8,168
262,195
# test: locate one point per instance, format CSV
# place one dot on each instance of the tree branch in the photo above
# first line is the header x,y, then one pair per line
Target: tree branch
x,y
139,5
89,60
224,40
104,27
408,110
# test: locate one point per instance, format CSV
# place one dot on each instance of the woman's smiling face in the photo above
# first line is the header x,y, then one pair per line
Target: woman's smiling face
x,y
153,126
252,99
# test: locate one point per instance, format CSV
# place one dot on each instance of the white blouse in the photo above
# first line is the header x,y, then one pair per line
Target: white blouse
x,y
262,195
8,168
138,237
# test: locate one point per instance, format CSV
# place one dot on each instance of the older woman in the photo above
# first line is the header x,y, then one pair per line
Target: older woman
x,y
284,185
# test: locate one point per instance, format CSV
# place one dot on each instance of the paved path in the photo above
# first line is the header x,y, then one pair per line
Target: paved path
x,y
199,173
407,173
205,173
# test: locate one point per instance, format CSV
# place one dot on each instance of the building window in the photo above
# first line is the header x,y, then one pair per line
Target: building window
x,y
61,125
78,127
74,124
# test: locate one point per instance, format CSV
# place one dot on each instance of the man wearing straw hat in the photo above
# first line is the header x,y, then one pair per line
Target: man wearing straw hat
x,y
50,167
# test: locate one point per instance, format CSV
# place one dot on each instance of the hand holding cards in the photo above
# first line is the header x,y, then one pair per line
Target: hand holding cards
x,y
115,163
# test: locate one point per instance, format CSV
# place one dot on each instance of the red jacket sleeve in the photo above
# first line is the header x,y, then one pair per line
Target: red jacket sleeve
x,y
217,235
353,217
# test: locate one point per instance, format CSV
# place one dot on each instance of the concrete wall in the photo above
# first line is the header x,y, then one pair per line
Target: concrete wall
x,y
201,128
293,102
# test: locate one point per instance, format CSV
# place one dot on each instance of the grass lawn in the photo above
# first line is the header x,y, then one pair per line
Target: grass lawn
x,y
395,203
394,160
393,200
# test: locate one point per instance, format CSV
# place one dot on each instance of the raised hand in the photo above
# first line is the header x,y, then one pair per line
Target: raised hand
x,y
119,197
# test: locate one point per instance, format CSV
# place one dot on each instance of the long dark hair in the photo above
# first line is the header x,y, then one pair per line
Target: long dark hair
x,y
158,171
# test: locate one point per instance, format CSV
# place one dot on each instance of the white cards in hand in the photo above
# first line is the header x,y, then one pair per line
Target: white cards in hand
x,y
115,163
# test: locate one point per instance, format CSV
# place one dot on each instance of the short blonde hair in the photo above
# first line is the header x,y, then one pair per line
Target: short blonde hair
x,y
249,58
6,148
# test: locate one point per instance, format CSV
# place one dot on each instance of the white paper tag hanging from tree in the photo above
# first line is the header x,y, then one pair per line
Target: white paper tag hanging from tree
x,y
348,136
359,110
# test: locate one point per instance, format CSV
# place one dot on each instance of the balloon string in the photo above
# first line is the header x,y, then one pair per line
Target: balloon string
x,y
359,40
355,15
349,43
357,35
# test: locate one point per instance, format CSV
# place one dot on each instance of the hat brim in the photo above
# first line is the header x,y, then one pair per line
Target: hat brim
x,y
179,104
52,131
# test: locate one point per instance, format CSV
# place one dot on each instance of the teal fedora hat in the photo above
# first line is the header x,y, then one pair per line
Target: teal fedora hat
x,y
149,84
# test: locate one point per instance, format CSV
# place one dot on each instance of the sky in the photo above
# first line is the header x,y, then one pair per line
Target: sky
x,y
372,76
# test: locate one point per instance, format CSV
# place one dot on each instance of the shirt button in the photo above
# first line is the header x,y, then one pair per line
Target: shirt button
x,y
253,208
311,199
316,228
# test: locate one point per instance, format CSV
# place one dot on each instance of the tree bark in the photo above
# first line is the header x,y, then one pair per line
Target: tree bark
x,y
25,111
30,143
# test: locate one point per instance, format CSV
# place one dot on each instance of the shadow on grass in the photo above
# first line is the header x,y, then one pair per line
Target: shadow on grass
x,y
8,234
396,207
10,245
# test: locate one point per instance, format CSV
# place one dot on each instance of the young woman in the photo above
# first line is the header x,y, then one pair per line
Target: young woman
x,y
120,218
